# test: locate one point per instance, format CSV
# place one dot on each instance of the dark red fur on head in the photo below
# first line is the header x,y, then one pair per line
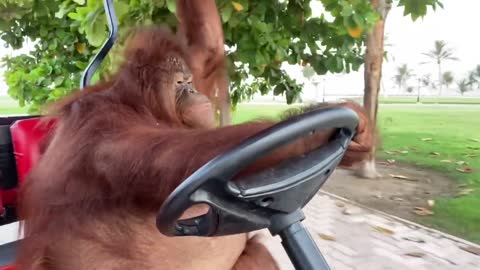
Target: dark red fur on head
x,y
155,46
145,80
149,69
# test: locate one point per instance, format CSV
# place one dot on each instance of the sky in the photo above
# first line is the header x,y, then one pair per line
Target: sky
x,y
457,24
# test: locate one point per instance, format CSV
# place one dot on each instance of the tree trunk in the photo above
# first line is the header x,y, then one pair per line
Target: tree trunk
x,y
440,81
418,91
222,102
225,113
372,77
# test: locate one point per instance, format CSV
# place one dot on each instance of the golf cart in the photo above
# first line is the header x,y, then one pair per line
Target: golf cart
x,y
271,199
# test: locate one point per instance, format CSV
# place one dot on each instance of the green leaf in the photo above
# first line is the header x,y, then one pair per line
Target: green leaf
x,y
279,89
96,33
308,72
61,13
48,69
347,11
53,44
57,93
280,54
260,26
417,8
59,80
171,6
121,9
226,13
260,58
93,4
358,19
159,3
372,18
80,2
73,15
43,32
4,25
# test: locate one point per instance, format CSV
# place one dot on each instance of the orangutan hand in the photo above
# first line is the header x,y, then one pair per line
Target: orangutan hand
x,y
364,140
256,255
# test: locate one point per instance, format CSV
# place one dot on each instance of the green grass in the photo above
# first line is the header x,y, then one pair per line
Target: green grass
x,y
250,112
454,132
9,106
429,100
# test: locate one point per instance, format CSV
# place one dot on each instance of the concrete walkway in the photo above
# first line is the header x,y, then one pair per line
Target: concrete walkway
x,y
353,237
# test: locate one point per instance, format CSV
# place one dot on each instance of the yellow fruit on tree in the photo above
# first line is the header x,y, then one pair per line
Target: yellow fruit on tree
x,y
237,6
80,47
355,32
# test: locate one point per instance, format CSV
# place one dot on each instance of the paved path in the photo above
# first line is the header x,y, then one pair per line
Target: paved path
x,y
364,239
369,240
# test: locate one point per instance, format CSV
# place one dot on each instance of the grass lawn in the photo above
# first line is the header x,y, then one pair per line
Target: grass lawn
x,y
9,106
250,112
453,132
429,100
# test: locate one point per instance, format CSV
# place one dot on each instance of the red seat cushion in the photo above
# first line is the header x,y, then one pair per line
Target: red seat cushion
x,y
1,204
27,135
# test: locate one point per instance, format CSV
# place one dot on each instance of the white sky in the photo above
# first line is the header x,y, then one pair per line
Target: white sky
x,y
457,24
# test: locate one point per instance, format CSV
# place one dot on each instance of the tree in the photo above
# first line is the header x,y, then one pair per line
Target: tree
x,y
386,44
260,35
477,75
426,80
472,79
308,72
439,54
374,60
447,78
310,75
402,76
463,86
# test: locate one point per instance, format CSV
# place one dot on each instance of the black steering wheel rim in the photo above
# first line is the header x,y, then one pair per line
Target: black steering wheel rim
x,y
211,183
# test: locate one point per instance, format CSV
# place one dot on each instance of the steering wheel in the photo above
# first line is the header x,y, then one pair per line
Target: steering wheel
x,y
272,198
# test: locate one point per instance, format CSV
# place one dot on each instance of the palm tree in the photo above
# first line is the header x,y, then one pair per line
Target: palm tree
x,y
463,86
426,80
386,45
477,75
439,55
447,78
472,79
402,76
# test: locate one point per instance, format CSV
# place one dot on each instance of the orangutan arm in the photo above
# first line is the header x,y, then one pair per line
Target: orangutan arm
x,y
155,159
